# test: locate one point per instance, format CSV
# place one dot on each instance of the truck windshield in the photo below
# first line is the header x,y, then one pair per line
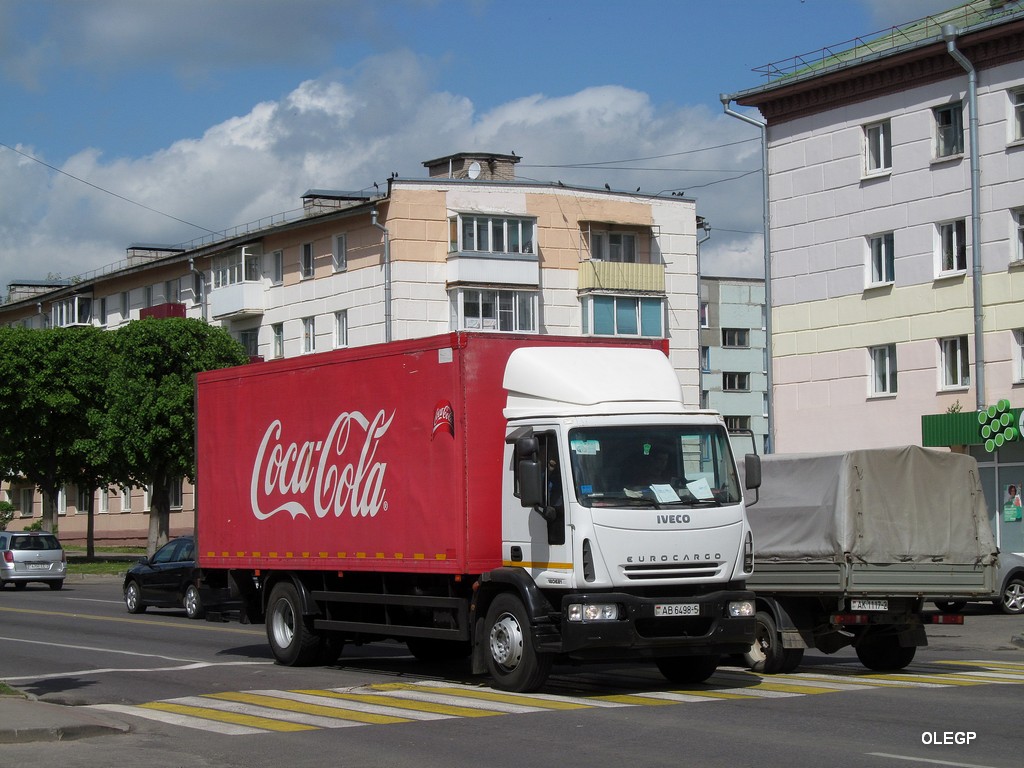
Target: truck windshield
x,y
660,465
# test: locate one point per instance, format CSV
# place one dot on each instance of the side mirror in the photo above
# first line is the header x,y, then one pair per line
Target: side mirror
x,y
752,471
531,483
527,447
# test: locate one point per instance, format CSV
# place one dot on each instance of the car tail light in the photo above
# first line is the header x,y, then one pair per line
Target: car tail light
x,y
8,556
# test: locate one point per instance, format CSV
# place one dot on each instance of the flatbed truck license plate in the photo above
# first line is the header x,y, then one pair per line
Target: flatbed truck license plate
x,y
869,605
677,609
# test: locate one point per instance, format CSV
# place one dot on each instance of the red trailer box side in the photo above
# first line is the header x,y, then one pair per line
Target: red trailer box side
x,y
380,458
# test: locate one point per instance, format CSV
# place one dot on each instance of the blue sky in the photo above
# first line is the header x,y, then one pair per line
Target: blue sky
x,y
212,113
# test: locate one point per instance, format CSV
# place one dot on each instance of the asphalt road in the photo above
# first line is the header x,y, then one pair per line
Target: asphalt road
x,y
79,646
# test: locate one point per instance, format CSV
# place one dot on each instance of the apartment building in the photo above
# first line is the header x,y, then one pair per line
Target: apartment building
x,y
734,355
896,191
468,246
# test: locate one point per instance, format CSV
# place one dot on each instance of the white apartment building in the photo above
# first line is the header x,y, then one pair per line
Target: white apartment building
x,y
896,191
734,355
467,247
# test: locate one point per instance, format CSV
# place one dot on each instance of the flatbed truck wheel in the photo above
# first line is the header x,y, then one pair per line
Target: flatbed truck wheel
x,y
687,669
885,654
512,659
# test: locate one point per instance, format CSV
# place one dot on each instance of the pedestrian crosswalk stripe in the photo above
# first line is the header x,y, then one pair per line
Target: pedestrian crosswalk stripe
x,y
264,711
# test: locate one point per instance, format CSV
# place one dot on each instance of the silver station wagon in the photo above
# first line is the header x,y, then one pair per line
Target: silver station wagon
x,y
31,556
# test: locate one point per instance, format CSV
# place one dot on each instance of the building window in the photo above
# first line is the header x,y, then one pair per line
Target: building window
x,y
341,329
250,340
705,314
882,252
705,359
126,499
172,291
878,146
1017,102
103,311
490,234
278,266
177,497
883,370
479,309
764,317
949,130
126,305
735,337
952,237
956,363
764,404
309,334
340,253
76,310
1018,235
704,399
307,261
197,287
737,423
278,331
735,382
1018,355
148,296
613,246
26,497
623,316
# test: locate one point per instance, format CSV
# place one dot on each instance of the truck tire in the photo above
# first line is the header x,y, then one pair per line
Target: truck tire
x,y
1011,600
292,641
951,606
512,659
765,654
687,669
885,654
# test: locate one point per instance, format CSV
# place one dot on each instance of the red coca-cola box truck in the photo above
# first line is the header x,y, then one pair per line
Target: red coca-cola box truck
x,y
476,494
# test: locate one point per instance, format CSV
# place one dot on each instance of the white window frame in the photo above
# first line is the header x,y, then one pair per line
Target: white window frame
x,y
613,246
1018,355
735,381
705,314
340,252
949,130
882,258
308,335
494,309
341,329
620,310
103,507
277,259
1017,237
482,233
307,262
951,247
1016,114
277,329
954,363
126,305
126,500
878,147
177,495
705,359
884,372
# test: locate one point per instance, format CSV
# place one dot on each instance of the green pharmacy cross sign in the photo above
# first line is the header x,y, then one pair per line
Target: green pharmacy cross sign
x,y
998,425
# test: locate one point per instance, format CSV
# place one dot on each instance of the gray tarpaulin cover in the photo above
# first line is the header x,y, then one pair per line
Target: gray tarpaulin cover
x,y
884,505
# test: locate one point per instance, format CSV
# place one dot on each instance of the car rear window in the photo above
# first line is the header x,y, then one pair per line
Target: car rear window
x,y
34,542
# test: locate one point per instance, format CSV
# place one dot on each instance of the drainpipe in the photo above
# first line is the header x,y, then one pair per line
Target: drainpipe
x,y
387,275
202,284
766,214
949,34
702,224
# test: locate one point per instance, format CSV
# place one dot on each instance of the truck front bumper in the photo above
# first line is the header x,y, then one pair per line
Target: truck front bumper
x,y
652,627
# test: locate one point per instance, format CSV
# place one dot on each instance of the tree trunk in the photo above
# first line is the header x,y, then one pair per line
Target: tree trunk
x,y
159,517
90,527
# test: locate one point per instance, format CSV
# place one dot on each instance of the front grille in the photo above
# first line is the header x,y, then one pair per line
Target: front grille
x,y
701,570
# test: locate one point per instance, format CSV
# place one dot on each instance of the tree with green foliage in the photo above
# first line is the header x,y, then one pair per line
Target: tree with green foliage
x,y
151,405
51,400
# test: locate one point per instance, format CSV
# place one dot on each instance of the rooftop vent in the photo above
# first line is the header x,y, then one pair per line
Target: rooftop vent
x,y
475,166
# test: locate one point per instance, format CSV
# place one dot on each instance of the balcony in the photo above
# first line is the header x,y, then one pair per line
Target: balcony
x,y
168,309
236,300
494,268
621,276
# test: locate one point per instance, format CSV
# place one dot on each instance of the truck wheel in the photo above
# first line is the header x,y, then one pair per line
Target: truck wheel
x,y
765,655
193,605
512,659
429,649
133,598
885,654
950,606
687,669
1011,601
293,643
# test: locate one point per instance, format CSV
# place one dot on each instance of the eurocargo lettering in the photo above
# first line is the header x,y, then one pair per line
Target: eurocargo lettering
x,y
476,495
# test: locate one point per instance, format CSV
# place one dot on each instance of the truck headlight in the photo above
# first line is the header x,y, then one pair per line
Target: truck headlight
x,y
584,612
738,608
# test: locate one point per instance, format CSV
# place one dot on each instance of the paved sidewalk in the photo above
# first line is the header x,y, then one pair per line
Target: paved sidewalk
x,y
24,720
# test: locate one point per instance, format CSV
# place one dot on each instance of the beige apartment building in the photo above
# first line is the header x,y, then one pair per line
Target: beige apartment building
x,y
466,247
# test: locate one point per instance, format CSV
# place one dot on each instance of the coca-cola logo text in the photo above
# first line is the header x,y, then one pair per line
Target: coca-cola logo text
x,y
327,475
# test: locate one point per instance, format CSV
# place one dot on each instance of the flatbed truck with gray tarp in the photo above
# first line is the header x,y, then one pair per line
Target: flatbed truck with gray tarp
x,y
848,548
